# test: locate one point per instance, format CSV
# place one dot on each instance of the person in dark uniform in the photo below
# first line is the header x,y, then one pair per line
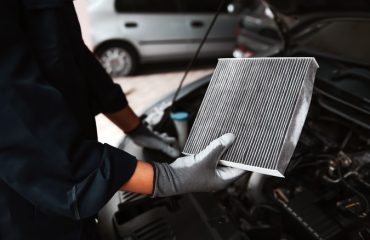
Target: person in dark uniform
x,y
54,174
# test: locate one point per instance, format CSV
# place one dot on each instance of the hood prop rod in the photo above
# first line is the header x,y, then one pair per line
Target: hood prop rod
x,y
195,56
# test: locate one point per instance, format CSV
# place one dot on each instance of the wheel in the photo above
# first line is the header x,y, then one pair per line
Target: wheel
x,y
118,60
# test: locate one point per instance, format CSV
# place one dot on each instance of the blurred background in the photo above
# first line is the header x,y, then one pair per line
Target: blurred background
x,y
146,45
148,85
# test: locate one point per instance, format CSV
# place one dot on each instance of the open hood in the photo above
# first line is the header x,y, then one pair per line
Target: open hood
x,y
299,7
338,29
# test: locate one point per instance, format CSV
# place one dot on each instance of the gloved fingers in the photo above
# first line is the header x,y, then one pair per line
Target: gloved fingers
x,y
144,137
216,148
229,174
157,144
167,149
171,151
165,138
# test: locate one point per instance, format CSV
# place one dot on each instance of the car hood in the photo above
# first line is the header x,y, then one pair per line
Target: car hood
x,y
299,7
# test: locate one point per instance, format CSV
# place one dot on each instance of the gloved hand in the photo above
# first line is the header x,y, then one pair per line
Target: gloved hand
x,y
196,173
142,136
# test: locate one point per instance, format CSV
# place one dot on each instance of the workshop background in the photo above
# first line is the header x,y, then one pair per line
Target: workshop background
x,y
144,89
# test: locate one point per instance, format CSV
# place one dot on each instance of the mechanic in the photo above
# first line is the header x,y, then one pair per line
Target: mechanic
x,y
54,174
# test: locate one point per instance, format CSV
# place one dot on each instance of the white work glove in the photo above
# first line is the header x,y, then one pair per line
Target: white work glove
x,y
196,173
143,137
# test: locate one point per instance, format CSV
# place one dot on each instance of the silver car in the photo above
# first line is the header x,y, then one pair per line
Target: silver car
x,y
126,33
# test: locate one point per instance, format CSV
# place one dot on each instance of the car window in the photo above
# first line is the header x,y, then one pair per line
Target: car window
x,y
199,6
146,6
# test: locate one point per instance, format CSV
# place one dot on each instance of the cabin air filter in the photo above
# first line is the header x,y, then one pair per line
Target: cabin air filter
x,y
264,102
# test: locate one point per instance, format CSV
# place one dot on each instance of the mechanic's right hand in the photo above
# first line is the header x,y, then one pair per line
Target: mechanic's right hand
x,y
196,173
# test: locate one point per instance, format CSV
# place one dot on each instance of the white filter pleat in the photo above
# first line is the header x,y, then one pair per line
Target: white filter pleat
x,y
264,102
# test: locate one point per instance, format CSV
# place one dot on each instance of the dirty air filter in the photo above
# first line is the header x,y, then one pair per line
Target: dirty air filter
x,y
264,102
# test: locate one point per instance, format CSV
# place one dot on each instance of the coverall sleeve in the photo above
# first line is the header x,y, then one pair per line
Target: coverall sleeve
x,y
42,156
106,96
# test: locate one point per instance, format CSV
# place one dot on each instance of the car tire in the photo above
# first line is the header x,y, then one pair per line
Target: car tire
x,y
118,59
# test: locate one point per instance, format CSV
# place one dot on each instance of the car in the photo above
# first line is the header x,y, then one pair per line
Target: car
x,y
257,33
326,190
127,33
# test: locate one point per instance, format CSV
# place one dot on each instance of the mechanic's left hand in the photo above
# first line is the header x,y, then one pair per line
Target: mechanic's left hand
x,y
142,136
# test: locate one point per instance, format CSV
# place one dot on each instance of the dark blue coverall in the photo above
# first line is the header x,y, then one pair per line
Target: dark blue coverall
x,y
54,175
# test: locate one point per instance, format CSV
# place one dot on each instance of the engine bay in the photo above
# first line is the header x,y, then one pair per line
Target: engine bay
x,y
325,194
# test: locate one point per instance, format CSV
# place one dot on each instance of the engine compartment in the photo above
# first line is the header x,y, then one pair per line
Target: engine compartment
x,y
325,194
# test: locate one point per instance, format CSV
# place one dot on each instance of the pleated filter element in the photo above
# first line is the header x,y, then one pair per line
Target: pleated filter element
x,y
264,102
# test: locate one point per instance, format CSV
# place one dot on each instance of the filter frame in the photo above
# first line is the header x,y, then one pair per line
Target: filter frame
x,y
290,132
